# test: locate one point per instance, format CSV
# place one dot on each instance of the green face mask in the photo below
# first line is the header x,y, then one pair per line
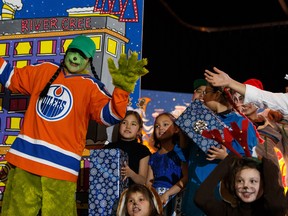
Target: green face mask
x,y
75,63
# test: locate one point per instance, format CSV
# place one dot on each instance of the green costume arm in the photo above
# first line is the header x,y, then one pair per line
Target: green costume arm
x,y
129,71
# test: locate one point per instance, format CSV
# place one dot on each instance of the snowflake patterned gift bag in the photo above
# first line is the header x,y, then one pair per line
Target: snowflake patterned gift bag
x,y
105,182
195,119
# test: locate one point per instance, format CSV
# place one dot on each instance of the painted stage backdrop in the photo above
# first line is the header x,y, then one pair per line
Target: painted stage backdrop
x,y
33,31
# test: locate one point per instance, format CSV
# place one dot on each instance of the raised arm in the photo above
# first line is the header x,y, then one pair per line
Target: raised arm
x,y
220,78
129,70
261,98
205,197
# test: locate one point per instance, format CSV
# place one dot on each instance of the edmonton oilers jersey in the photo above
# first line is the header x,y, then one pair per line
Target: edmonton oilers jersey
x,y
53,134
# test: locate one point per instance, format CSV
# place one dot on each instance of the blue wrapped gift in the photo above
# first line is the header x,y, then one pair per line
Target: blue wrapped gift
x,y
196,118
105,183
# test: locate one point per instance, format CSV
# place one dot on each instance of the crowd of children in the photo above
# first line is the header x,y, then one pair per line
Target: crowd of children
x,y
220,182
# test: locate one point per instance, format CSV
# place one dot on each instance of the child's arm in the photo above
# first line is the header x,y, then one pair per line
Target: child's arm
x,y
220,78
150,177
183,139
205,197
179,186
277,101
139,178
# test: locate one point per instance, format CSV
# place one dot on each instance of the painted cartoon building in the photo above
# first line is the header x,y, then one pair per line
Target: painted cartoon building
x,y
46,39
25,41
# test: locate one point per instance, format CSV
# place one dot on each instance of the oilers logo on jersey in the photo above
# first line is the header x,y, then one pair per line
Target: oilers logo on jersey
x,y
56,105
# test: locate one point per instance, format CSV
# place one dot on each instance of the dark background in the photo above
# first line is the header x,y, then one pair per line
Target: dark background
x,y
246,39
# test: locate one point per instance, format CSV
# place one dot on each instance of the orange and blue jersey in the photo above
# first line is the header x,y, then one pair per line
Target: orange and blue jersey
x,y
53,134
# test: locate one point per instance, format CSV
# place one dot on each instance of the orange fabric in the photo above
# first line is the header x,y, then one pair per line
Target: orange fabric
x,y
53,134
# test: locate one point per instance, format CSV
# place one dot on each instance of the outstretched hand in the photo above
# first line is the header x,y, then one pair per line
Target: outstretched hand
x,y
217,78
128,72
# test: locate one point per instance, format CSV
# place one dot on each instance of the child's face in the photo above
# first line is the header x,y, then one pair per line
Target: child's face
x,y
162,127
211,98
138,205
238,99
129,128
249,109
248,185
199,93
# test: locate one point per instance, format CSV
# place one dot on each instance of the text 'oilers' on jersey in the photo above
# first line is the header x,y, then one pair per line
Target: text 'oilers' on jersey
x,y
53,134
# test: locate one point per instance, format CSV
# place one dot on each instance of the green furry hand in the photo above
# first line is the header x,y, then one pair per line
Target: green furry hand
x,y
129,71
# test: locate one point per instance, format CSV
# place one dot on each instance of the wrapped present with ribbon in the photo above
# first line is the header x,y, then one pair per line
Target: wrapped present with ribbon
x,y
197,118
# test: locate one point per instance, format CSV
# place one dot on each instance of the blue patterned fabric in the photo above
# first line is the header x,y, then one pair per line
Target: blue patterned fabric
x,y
196,118
105,183
166,169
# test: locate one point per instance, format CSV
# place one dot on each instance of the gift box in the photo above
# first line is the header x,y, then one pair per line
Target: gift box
x,y
105,182
195,119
